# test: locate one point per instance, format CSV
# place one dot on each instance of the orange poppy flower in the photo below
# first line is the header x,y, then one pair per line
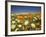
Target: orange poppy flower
x,y
20,17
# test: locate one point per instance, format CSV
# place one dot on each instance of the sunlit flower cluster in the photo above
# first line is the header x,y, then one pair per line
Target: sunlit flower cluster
x,y
25,22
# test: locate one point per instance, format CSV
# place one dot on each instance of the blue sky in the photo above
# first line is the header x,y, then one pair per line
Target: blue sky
x,y
18,9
